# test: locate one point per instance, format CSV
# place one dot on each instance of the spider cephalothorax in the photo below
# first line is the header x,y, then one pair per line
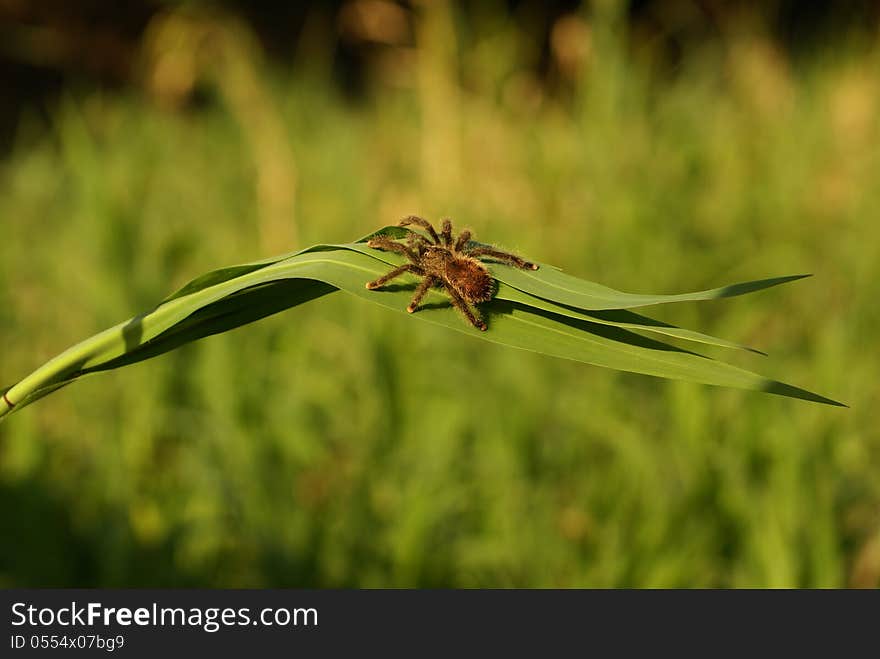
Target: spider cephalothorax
x,y
447,262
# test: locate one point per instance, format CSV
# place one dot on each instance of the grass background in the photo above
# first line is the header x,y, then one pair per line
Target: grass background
x,y
340,445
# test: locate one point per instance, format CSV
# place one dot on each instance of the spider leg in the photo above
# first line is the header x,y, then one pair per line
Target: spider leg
x,y
417,242
408,267
386,244
504,257
459,303
446,233
418,221
463,239
427,282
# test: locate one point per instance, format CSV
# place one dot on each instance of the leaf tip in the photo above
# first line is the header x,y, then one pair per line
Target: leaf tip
x,y
783,389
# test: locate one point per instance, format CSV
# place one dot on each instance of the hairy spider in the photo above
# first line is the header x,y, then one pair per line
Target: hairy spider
x,y
452,264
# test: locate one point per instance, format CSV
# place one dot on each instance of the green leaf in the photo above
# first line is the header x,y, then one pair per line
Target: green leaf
x,y
551,283
224,274
239,308
232,297
615,317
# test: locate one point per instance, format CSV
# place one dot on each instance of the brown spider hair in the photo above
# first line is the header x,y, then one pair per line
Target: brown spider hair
x,y
447,262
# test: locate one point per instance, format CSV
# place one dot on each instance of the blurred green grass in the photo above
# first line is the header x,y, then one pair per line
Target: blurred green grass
x,y
358,449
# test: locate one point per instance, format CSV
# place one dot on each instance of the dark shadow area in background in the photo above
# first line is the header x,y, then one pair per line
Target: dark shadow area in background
x,y
42,548
49,45
39,522
69,558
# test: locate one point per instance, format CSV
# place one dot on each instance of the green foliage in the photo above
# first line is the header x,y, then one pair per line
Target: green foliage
x,y
539,318
340,445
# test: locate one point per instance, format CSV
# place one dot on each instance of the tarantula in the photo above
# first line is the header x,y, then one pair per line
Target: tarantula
x,y
445,262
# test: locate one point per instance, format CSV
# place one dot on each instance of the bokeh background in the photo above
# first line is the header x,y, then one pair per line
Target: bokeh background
x,y
654,146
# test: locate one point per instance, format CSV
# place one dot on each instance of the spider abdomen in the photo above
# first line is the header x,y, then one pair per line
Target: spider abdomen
x,y
470,278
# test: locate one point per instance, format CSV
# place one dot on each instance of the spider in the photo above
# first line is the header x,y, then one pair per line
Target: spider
x,y
452,264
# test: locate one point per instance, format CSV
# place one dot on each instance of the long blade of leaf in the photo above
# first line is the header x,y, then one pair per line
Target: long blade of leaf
x,y
551,283
512,323
614,317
